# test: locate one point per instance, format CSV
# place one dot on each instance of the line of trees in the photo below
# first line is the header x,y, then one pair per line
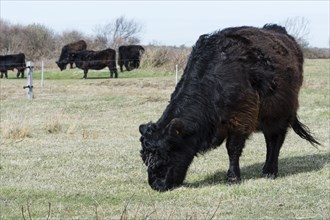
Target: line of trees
x,y
37,41
40,42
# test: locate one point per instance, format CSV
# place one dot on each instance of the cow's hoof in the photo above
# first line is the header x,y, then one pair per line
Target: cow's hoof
x,y
233,180
269,175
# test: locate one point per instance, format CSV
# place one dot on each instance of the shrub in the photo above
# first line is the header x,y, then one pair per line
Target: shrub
x,y
165,57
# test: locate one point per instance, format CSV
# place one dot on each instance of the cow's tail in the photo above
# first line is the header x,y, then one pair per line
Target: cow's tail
x,y
303,131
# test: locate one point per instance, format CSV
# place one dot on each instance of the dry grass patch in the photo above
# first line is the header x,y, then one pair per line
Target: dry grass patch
x,y
15,128
53,124
88,134
16,132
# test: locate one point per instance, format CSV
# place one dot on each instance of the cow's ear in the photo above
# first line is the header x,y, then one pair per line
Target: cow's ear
x,y
176,127
143,129
147,129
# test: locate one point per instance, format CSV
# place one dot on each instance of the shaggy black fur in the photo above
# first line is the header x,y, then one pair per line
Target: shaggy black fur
x,y
237,81
130,57
11,62
95,60
65,58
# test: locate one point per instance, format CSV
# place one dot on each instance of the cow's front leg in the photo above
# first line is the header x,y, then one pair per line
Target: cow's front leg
x,y
85,73
234,145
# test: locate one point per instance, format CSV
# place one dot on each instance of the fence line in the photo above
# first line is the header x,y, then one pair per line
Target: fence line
x,y
176,67
68,62
42,73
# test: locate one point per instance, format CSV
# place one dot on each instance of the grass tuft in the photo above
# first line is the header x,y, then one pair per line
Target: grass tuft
x,y
15,128
53,124
17,132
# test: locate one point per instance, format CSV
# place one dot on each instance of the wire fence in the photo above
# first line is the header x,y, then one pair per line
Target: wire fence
x,y
130,63
19,64
48,67
160,56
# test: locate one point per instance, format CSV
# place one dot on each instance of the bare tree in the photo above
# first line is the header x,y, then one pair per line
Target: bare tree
x,y
35,40
96,42
71,36
121,31
38,41
10,37
299,28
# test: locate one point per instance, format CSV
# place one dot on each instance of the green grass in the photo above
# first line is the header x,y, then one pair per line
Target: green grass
x,y
90,168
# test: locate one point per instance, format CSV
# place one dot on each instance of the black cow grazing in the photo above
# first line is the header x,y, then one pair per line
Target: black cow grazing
x,y
10,62
130,56
65,59
96,60
237,81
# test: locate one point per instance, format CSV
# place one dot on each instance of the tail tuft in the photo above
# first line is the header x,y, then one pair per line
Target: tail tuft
x,y
303,131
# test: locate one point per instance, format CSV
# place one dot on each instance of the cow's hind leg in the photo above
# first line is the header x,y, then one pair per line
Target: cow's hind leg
x,y
116,73
121,67
234,145
20,72
274,142
127,65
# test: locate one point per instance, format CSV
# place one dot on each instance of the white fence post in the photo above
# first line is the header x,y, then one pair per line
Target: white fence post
x,y
176,74
29,85
42,73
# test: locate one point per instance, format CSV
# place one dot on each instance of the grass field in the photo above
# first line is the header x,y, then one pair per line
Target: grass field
x,y
73,153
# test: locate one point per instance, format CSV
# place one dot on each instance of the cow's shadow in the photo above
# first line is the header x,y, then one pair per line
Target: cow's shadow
x,y
287,167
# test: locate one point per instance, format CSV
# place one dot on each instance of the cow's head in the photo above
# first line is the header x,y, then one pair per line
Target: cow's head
x,y
166,153
62,64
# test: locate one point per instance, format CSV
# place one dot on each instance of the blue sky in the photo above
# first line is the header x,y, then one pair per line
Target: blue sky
x,y
170,22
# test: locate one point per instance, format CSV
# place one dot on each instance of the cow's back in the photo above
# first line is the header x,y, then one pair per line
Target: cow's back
x,y
11,61
244,68
130,51
273,62
77,46
257,55
70,48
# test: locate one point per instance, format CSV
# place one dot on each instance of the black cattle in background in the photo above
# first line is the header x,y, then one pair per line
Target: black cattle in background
x,y
95,60
11,62
130,56
237,81
65,59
